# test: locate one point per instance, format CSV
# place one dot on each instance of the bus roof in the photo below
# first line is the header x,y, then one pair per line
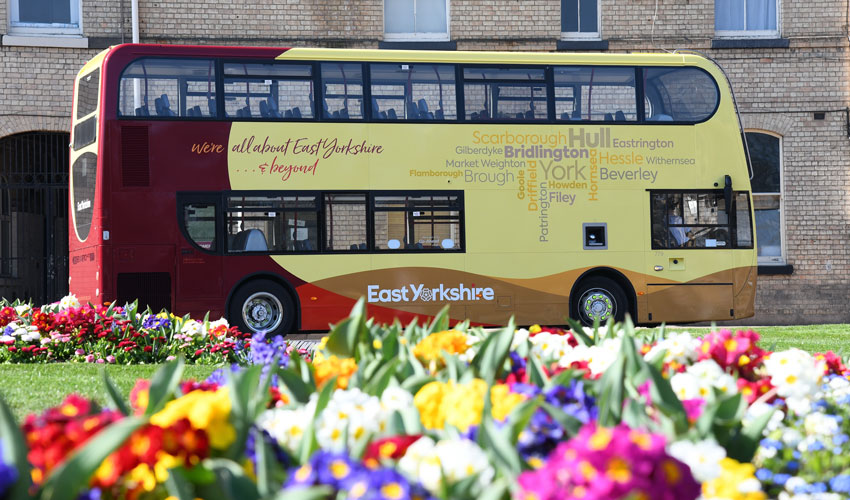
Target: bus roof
x,y
310,54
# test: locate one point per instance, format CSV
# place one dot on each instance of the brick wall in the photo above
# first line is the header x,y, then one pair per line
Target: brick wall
x,y
778,90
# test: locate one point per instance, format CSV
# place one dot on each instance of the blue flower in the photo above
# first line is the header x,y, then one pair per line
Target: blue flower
x,y
8,330
771,443
92,494
764,475
840,483
818,487
251,447
840,439
816,446
781,479
793,465
388,484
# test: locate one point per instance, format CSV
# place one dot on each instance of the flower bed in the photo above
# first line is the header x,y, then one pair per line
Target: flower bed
x,y
69,331
396,412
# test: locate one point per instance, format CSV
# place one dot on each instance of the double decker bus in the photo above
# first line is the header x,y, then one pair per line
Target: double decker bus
x,y
278,186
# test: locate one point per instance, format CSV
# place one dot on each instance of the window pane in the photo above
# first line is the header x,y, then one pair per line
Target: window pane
x,y
268,91
84,176
413,92
505,94
597,94
345,222
729,14
689,220
168,88
761,14
272,224
588,16
569,15
679,94
44,11
199,219
431,16
342,86
430,222
87,93
768,225
764,156
398,16
744,232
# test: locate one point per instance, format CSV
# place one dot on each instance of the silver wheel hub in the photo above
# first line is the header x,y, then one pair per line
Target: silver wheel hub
x,y
597,304
262,311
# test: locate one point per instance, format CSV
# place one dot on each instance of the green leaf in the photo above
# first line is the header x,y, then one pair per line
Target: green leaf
x,y
178,485
578,333
745,446
14,452
302,493
568,422
611,393
163,384
536,374
520,416
413,384
308,441
66,481
665,399
497,490
563,379
295,385
264,471
440,321
249,394
494,350
114,395
343,338
500,448
381,380
231,482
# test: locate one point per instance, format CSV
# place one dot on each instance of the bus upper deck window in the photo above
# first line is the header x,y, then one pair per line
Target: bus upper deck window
x,y
688,95
167,88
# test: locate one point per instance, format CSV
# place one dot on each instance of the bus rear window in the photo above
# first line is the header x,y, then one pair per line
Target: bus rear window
x,y
87,92
167,88
687,95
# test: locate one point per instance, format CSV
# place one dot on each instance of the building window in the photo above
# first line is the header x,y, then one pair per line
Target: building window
x,y
411,20
580,19
766,157
746,18
45,17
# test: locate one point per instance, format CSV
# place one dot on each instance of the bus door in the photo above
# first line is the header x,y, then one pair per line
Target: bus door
x,y
690,275
199,259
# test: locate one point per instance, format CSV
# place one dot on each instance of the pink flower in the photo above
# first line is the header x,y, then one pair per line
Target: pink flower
x,y
734,352
90,358
100,361
80,352
110,359
693,408
170,358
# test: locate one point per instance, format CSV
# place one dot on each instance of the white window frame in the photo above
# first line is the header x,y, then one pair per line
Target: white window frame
x,y
418,37
585,35
781,259
738,34
38,29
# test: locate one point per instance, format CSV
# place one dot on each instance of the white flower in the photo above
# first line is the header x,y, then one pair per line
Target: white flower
x,y
31,334
285,426
549,347
685,385
708,376
703,457
69,301
791,437
678,347
758,409
396,398
818,423
193,328
794,373
6,338
23,309
451,460
352,413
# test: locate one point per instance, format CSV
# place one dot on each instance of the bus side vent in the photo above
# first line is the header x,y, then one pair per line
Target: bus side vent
x,y
135,169
152,289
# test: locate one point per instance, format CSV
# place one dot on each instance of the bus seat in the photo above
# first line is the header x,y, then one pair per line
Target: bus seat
x,y
142,111
376,112
325,109
296,112
335,115
250,240
287,113
529,115
520,116
306,245
274,111
412,110
246,111
423,106
661,117
438,114
343,113
391,114
163,107
362,246
383,115
212,106
565,116
609,117
264,109
619,116
354,246
197,110
484,115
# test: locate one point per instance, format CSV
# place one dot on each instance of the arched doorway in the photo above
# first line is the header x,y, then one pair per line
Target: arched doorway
x,y
34,216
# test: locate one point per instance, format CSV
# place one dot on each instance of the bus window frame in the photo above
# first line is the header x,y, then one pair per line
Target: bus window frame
x,y
184,198
731,217
318,94
461,210
224,195
217,82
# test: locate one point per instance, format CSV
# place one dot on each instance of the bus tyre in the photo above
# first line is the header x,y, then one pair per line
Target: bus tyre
x,y
262,306
599,298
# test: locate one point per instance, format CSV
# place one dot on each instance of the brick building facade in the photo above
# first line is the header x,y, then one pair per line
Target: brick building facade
x,y
788,67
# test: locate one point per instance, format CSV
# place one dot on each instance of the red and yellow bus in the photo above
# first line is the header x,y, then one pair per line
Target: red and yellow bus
x,y
278,186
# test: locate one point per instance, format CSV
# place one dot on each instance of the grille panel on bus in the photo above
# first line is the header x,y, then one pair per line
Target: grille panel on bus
x,y
152,289
135,168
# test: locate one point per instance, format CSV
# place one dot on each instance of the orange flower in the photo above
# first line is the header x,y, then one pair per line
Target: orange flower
x,y
342,368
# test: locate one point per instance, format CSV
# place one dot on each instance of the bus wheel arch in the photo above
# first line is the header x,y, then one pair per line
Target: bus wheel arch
x,y
264,302
612,287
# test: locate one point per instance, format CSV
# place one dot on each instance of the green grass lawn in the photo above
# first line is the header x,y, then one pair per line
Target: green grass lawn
x,y
30,388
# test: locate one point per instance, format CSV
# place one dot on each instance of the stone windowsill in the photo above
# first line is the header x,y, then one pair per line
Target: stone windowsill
x,y
69,42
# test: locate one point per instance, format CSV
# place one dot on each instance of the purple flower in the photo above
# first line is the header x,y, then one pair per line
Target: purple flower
x,y
8,474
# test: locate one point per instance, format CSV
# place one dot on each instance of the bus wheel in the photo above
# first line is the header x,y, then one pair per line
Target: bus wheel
x,y
600,298
263,306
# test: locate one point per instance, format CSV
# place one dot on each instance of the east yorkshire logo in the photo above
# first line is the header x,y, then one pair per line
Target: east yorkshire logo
x,y
412,293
